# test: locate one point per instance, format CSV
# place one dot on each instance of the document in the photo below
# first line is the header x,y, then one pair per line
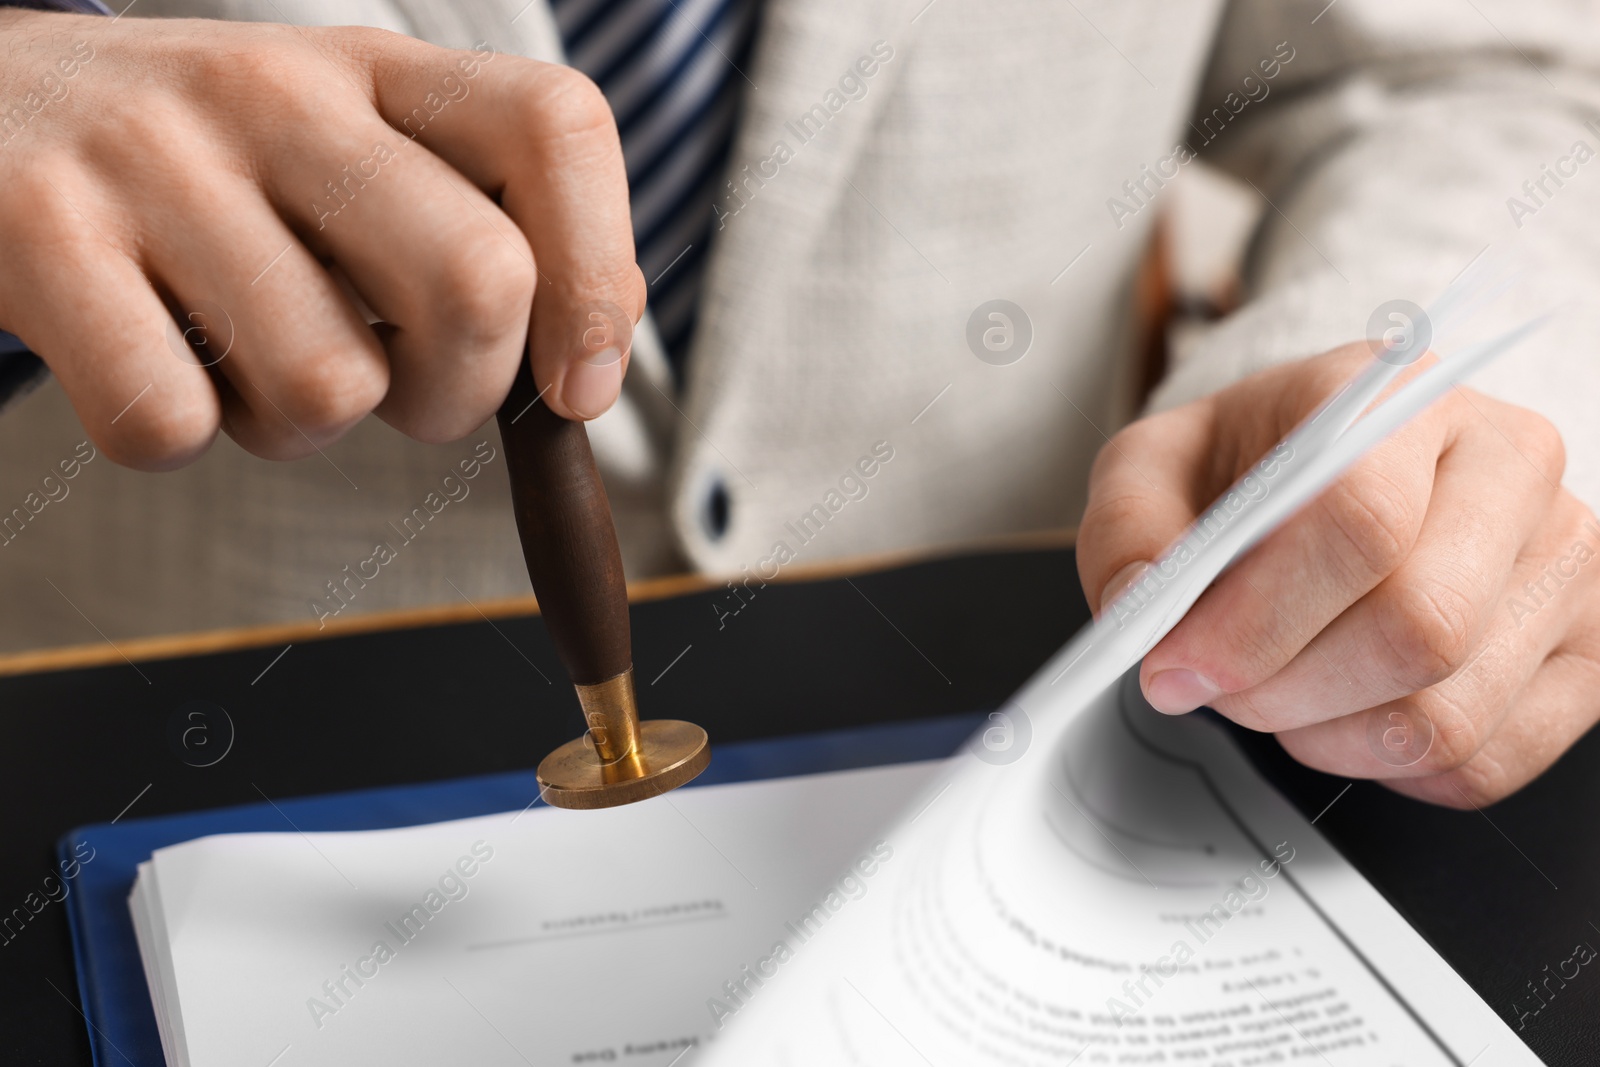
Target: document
x,y
1118,889
545,936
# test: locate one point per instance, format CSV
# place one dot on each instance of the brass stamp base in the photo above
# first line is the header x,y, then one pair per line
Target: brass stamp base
x,y
670,753
620,759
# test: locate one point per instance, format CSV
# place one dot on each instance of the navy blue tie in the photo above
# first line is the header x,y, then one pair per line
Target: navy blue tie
x,y
673,71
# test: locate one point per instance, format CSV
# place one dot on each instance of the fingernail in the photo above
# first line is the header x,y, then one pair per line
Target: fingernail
x,y
1120,581
1175,692
593,383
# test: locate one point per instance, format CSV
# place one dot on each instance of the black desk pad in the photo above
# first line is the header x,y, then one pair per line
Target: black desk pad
x,y
1503,894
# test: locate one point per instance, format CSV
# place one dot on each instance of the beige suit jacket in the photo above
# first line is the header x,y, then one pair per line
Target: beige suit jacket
x,y
1013,150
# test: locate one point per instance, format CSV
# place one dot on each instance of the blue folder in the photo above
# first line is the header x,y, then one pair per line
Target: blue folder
x,y
111,983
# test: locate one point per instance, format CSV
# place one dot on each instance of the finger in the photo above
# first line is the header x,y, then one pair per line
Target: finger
x,y
1555,709
141,405
449,275
1142,495
543,139
1418,625
298,364
1257,616
1444,728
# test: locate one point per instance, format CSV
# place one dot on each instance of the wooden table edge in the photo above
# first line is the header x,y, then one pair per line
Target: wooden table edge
x,y
172,646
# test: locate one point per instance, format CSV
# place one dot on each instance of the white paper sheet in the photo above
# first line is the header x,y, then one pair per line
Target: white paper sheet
x,y
582,937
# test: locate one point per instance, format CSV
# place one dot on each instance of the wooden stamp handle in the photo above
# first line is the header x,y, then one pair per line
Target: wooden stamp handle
x,y
568,538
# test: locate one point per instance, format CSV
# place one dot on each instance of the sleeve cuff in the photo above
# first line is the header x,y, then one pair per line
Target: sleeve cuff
x,y
20,371
85,7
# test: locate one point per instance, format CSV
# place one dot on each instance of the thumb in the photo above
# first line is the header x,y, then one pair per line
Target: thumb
x,y
1143,493
580,352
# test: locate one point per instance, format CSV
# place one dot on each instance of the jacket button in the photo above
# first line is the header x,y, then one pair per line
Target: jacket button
x,y
714,515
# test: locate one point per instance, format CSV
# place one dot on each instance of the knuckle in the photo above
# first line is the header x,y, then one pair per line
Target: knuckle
x,y
484,287
443,420
277,80
1330,371
1542,443
161,436
1581,525
1375,518
617,280
1257,645
226,67
326,391
1305,384
1427,627
1476,782
1108,519
33,215
366,42
1140,436
136,135
1116,462
1457,734
1109,458
568,104
266,64
436,412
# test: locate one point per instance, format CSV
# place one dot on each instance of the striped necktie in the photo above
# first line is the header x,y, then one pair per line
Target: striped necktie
x,y
673,73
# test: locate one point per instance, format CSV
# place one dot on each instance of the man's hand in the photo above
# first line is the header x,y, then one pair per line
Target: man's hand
x,y
250,187
1430,621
